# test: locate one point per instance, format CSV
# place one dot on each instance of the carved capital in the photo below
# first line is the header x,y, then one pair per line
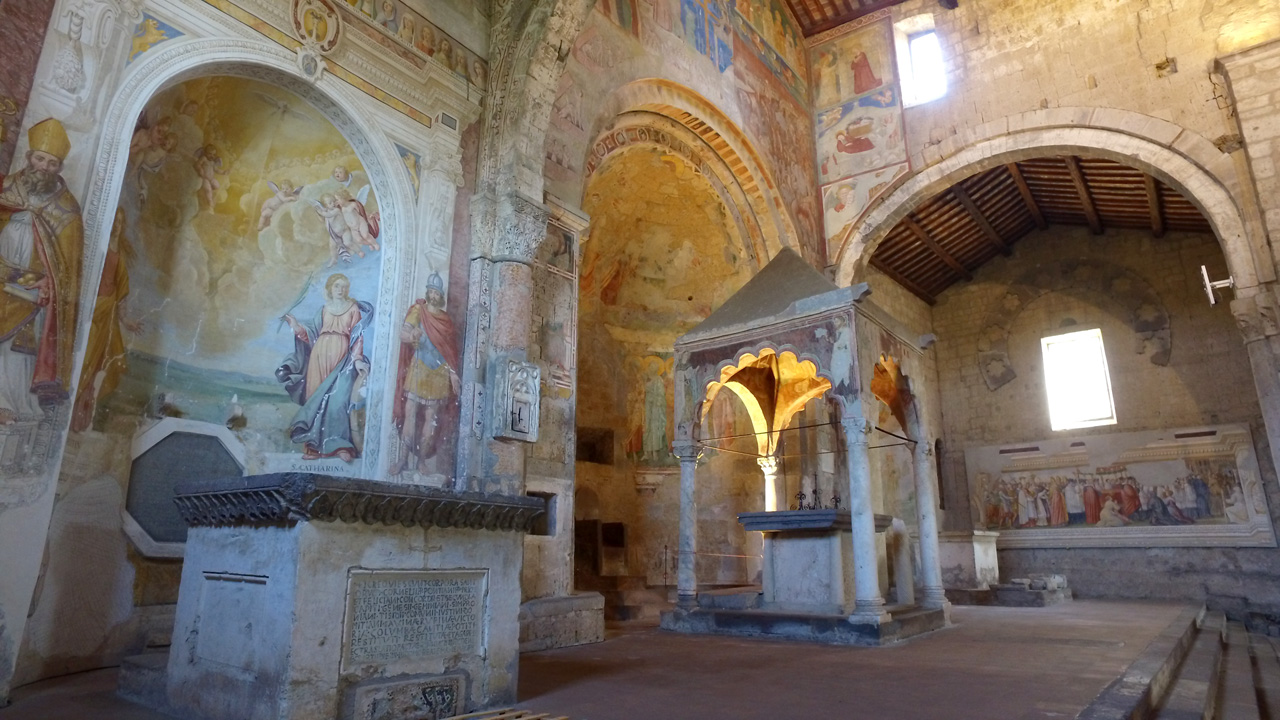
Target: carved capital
x,y
687,451
768,464
521,228
856,428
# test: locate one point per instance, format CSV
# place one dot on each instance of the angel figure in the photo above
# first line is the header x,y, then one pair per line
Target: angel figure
x,y
342,241
364,227
208,166
282,195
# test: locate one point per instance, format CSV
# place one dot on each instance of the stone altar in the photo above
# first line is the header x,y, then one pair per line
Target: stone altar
x,y
305,596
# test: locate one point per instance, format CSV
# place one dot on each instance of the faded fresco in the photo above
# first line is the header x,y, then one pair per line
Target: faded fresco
x,y
242,278
22,27
398,27
1158,479
858,127
41,242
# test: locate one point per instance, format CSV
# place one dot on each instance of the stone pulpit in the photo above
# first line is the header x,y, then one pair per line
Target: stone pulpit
x,y
786,338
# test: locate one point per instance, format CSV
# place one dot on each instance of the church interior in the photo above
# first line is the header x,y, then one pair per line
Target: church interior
x,y
423,359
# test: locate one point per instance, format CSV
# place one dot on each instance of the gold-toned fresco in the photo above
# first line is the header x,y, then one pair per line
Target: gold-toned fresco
x,y
398,25
661,257
241,285
41,241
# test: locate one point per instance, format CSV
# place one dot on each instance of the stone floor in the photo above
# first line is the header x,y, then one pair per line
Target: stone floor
x,y
994,664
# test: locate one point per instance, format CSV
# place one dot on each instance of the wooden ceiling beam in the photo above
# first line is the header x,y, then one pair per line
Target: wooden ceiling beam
x,y
897,277
993,237
1082,189
937,249
1153,203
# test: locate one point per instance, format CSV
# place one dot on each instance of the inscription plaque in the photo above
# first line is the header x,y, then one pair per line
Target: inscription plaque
x,y
394,615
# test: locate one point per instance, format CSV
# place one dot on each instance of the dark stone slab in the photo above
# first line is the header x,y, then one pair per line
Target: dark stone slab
x,y
1021,596
307,497
825,629
804,520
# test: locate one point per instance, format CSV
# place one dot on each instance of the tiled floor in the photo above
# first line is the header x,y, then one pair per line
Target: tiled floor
x,y
994,664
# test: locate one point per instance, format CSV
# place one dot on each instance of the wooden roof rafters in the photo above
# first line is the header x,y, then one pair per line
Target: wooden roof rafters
x,y
947,237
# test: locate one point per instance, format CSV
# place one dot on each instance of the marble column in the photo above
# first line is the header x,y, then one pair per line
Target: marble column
x,y
686,574
868,606
926,472
774,492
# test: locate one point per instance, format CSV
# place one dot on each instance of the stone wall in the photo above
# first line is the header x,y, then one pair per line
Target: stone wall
x,y
1207,380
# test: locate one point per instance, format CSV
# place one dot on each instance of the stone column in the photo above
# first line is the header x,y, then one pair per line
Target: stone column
x,y
868,600
926,472
686,576
774,493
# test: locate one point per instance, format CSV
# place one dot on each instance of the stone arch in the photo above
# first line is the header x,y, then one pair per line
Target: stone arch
x,y
643,129
1178,157
1133,299
724,140
185,59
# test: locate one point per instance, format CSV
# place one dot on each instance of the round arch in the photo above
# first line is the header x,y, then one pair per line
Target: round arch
x,y
722,137
186,59
1178,157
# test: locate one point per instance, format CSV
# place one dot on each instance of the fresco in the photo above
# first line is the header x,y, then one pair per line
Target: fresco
x,y
427,383
41,242
859,135
770,24
852,64
844,201
1188,479
622,13
399,27
149,32
245,278
22,29
858,127
706,27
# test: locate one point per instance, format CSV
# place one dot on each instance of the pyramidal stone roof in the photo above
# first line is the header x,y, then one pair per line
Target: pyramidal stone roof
x,y
786,281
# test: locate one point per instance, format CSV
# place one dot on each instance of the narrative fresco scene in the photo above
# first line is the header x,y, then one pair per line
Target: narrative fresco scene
x,y
390,359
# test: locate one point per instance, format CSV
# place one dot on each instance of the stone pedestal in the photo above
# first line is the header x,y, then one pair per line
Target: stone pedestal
x,y
968,559
408,607
808,559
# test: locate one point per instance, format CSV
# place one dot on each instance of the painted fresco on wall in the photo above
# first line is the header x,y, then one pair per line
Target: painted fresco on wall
x,y
853,64
706,27
859,135
651,410
622,13
148,33
1180,484
399,27
554,306
246,275
427,384
41,244
768,23
780,68
844,201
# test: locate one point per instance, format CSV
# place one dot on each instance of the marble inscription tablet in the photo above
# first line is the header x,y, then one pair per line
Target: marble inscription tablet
x,y
395,615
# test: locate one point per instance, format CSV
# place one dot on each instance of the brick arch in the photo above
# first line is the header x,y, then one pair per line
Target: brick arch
x,y
644,129
1178,157
723,138
1125,294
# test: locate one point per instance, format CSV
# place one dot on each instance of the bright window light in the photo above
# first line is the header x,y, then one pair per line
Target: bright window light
x,y
1076,377
925,78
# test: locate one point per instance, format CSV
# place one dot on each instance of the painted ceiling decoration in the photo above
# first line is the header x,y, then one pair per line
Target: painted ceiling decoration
x,y
953,233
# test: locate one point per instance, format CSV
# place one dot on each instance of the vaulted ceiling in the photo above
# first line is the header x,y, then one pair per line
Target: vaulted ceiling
x,y
817,16
953,233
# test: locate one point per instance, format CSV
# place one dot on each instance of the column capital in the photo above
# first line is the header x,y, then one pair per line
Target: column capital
x,y
687,451
521,228
768,464
856,427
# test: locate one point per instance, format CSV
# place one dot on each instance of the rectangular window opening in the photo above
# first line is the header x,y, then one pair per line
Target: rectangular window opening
x,y
1077,381
920,61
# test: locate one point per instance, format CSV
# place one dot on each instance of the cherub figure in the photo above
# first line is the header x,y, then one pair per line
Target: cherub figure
x,y
342,241
208,166
283,194
364,228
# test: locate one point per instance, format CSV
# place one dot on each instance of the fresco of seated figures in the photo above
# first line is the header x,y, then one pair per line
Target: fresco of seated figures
x,y
242,279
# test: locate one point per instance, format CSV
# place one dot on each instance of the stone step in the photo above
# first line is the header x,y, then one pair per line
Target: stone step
x,y
1266,675
1193,694
1148,677
1238,700
142,678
